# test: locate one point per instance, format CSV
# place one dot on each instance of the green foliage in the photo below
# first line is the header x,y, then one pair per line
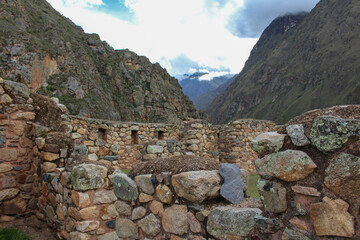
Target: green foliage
x,y
12,234
252,190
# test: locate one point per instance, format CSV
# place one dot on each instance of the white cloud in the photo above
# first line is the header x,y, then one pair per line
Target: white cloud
x,y
166,29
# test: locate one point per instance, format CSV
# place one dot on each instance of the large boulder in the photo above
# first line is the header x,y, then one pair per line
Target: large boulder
x,y
231,222
197,186
124,187
342,176
267,142
88,176
232,189
17,89
273,196
290,165
329,133
330,218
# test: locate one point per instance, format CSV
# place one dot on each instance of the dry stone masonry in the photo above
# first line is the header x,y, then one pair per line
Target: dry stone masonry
x,y
68,171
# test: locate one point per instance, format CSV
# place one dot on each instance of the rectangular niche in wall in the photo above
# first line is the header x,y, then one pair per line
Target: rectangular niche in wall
x,y
161,135
134,137
102,134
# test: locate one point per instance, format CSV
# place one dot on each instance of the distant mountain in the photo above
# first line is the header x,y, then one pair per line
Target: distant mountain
x,y
193,86
301,62
53,56
204,100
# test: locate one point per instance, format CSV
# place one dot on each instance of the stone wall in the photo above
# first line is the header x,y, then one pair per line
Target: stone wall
x,y
17,167
234,141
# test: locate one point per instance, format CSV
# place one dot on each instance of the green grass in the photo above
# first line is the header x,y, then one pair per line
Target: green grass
x,y
125,171
252,189
12,234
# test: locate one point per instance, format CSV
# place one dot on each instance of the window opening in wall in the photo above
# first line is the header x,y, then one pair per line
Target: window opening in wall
x,y
134,137
161,135
102,133
218,135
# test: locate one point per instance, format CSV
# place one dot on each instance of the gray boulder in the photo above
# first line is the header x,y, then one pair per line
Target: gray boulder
x,y
232,189
231,222
267,142
297,135
124,187
88,176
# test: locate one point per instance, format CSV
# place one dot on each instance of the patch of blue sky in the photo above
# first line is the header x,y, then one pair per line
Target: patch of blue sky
x,y
115,8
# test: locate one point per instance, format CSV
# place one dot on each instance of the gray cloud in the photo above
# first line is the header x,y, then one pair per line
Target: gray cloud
x,y
183,64
251,19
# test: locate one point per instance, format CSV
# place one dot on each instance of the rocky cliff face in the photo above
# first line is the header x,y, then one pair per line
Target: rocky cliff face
x,y
300,63
47,52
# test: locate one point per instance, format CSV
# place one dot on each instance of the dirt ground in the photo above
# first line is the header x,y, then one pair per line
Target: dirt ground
x,y
32,227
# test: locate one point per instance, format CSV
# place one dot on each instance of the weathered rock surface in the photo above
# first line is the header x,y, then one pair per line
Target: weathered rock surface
x,y
150,225
329,133
7,194
124,187
297,135
87,226
197,186
330,218
104,196
88,176
232,189
174,219
125,228
138,213
309,191
290,165
122,208
152,149
268,225
145,184
342,176
194,224
273,196
290,234
231,223
164,194
267,142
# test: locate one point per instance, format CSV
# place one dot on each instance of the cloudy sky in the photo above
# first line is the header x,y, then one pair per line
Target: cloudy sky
x,y
182,35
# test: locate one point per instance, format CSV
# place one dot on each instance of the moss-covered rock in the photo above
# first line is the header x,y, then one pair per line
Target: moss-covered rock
x,y
231,222
88,176
329,133
290,165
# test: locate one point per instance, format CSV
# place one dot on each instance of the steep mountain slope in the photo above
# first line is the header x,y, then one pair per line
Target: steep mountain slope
x,y
298,67
43,49
193,86
204,100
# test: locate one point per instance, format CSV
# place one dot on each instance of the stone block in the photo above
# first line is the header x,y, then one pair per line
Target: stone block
x,y
88,176
124,187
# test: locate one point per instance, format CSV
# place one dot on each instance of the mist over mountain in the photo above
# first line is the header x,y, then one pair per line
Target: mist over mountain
x,y
194,85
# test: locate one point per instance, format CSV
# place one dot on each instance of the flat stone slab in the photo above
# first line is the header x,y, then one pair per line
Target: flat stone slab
x,y
273,196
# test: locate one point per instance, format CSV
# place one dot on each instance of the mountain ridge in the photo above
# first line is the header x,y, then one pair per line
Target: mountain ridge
x,y
312,65
49,53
